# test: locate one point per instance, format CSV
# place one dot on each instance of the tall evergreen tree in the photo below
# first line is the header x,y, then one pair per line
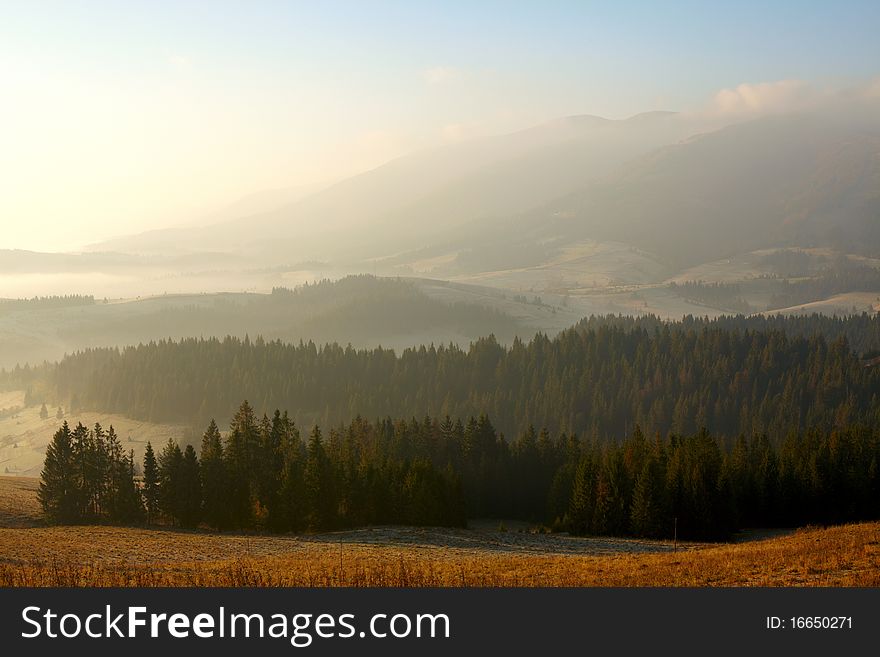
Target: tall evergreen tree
x,y
214,479
151,484
170,462
242,453
319,494
189,489
58,480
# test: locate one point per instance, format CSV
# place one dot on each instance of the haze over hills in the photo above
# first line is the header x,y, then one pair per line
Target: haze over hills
x,y
593,216
412,200
784,181
680,188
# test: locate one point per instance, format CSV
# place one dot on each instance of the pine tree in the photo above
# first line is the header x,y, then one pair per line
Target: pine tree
x,y
44,412
189,489
58,481
170,462
647,509
124,504
581,508
151,484
214,479
319,493
241,453
293,490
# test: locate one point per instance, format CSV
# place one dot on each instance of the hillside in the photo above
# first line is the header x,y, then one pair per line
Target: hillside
x,y
363,311
416,199
682,189
795,180
597,382
24,435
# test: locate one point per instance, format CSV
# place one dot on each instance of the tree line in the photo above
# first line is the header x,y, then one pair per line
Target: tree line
x,y
437,471
87,477
41,303
717,295
848,278
732,376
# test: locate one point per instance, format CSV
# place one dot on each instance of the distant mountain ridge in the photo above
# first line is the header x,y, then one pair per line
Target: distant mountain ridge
x,y
683,189
408,201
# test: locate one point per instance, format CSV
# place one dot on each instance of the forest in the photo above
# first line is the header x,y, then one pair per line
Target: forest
x,y
716,295
264,475
731,376
851,278
363,309
42,303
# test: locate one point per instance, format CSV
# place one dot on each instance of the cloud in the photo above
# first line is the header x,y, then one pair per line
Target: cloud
x,y
748,100
440,75
766,98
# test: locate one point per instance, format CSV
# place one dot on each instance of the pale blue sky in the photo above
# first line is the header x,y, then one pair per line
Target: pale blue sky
x,y
148,113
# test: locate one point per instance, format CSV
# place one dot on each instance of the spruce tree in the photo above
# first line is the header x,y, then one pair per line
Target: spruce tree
x,y
214,479
130,504
151,484
170,462
58,481
647,509
319,493
189,489
241,453
293,490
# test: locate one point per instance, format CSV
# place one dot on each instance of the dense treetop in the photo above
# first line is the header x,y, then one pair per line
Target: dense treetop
x,y
731,376
263,474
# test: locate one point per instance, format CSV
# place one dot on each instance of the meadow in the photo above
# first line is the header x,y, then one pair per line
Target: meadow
x,y
484,556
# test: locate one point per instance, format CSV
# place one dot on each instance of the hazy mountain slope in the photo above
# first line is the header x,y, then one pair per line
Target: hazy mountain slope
x,y
181,239
360,310
407,202
784,180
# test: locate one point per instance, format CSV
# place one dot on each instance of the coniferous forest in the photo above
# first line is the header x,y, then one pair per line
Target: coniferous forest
x,y
730,376
265,475
621,426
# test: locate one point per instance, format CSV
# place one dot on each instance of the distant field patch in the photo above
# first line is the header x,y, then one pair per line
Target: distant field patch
x,y
24,436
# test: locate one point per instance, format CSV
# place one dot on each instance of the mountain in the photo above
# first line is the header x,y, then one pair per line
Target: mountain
x,y
804,180
572,204
410,201
163,242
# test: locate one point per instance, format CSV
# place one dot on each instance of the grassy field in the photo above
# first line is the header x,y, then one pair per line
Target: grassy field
x,y
25,435
34,555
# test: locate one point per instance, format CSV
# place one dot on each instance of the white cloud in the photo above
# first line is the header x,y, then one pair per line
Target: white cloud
x,y
766,98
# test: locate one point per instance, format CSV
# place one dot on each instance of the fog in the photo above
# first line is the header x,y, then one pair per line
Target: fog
x,y
157,161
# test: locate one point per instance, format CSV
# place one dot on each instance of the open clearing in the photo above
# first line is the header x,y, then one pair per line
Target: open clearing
x,y
25,435
31,555
841,304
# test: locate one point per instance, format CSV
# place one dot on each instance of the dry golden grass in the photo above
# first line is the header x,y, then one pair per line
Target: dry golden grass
x,y
839,556
19,506
33,555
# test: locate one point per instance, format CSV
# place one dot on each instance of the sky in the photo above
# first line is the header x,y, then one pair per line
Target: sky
x,y
117,117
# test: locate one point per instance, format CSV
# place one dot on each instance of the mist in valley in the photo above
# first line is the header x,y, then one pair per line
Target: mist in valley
x,y
288,270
